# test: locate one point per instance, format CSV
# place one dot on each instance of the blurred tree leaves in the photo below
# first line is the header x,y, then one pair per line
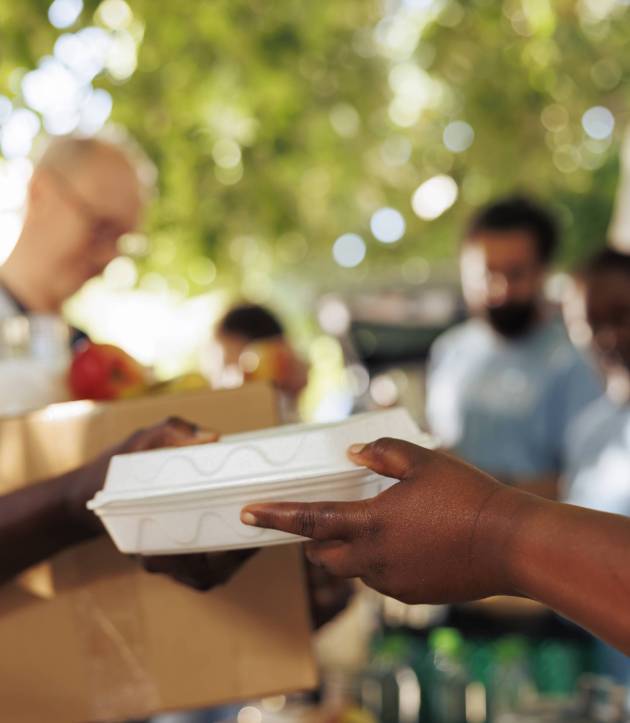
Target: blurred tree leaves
x,y
301,91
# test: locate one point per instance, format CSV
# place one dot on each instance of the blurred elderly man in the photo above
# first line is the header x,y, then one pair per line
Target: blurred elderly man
x,y
504,386
83,196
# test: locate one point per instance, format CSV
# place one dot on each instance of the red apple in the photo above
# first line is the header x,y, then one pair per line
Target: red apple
x,y
103,371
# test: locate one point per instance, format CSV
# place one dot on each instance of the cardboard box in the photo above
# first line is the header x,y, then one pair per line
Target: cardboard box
x,y
92,637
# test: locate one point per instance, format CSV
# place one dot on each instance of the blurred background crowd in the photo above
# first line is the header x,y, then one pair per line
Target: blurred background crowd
x,y
417,202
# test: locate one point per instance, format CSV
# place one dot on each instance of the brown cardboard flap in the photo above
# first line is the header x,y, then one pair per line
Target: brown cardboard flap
x,y
116,642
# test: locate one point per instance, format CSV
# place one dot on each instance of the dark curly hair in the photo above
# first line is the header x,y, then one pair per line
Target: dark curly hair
x,y
251,321
607,259
518,213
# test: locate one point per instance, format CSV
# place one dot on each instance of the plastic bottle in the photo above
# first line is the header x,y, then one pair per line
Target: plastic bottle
x,y
448,678
558,665
389,687
512,684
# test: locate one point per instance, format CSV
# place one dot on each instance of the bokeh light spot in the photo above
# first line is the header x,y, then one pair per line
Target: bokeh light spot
x,y
226,153
554,117
18,133
396,151
202,271
121,274
64,13
249,714
95,111
5,108
333,315
458,136
598,122
349,250
122,58
115,14
435,196
387,225
384,391
345,120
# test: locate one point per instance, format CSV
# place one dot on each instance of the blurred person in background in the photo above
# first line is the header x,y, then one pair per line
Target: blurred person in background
x,y
84,194
503,387
597,471
250,343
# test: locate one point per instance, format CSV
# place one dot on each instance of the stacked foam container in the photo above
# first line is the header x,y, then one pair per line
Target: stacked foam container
x,y
189,499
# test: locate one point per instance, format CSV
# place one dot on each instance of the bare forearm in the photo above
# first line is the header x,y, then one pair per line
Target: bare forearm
x,y
576,561
43,519
37,522
450,533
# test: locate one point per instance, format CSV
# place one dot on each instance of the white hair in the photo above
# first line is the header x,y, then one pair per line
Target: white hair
x,y
65,153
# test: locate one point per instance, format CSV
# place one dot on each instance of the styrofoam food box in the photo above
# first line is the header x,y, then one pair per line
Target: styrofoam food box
x,y
189,499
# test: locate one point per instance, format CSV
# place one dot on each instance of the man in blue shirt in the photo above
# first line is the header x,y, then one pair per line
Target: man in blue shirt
x,y
503,386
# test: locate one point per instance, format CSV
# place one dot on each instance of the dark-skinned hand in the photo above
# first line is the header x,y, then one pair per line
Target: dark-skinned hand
x,y
447,532
42,519
200,571
427,539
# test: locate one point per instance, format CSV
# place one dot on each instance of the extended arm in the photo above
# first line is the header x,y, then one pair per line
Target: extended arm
x,y
42,519
450,533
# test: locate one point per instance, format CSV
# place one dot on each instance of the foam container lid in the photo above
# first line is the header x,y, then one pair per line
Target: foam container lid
x,y
188,499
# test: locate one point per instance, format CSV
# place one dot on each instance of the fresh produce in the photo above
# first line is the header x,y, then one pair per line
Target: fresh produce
x,y
103,371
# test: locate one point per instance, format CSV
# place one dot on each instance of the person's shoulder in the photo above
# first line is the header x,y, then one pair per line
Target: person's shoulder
x,y
562,353
592,418
459,336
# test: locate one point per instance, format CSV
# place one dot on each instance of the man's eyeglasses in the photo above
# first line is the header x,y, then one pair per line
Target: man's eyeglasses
x,y
102,229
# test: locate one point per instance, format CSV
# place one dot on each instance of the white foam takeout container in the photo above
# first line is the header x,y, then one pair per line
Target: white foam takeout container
x,y
189,499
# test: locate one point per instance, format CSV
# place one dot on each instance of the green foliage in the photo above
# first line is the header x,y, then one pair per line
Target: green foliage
x,y
269,76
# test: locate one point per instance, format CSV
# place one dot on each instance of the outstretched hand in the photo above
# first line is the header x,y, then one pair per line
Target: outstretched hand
x,y
199,571
440,535
89,479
